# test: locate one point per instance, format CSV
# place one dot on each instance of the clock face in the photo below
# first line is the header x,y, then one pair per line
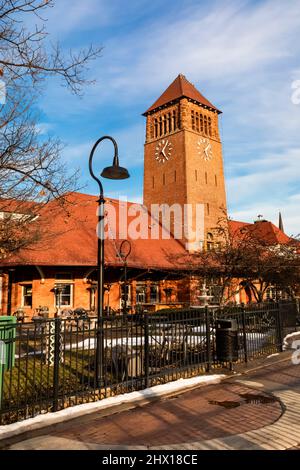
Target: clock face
x,y
204,149
163,151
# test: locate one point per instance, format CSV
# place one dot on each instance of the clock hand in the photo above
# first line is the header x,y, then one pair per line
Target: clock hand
x,y
163,150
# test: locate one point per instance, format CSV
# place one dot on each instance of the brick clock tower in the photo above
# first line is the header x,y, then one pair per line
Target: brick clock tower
x,y
183,161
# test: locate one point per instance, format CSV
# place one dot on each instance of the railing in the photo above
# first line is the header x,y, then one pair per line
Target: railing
x,y
51,364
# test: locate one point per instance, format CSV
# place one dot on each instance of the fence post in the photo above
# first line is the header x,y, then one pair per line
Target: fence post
x,y
146,346
279,327
207,333
57,347
244,334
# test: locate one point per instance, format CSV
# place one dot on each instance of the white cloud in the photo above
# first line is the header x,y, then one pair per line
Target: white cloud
x,y
242,55
230,40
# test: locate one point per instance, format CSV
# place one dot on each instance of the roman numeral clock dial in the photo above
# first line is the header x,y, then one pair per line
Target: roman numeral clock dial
x,y
163,151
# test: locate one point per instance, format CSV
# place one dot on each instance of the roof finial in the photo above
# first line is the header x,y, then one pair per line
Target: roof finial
x,y
280,223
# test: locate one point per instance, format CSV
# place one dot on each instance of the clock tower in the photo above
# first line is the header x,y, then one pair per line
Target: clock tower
x,y
183,162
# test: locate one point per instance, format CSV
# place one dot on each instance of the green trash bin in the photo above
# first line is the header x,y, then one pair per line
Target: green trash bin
x,y
7,347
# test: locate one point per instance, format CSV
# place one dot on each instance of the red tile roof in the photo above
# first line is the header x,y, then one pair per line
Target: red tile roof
x,y
69,239
263,230
181,88
18,206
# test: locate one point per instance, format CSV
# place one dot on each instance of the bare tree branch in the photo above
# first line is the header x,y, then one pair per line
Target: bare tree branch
x,y
31,171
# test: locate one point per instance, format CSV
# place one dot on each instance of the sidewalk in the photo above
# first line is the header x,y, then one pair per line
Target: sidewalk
x,y
259,409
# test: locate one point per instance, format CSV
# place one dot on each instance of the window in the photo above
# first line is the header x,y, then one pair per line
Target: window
x,y
164,179
140,293
197,122
165,124
205,177
209,241
175,176
174,119
216,180
154,294
169,122
27,295
63,295
155,128
159,126
275,294
207,208
201,123
209,127
196,175
205,125
193,120
152,182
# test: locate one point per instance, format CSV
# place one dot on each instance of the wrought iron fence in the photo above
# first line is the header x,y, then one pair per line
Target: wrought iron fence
x,y
51,364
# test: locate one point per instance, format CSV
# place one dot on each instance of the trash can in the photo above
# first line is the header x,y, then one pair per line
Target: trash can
x,y
7,347
227,346
7,338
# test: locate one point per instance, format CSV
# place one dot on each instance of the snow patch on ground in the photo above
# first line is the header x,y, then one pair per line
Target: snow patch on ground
x,y
48,419
273,355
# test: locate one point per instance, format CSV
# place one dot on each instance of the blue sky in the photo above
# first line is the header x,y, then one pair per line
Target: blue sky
x,y
242,55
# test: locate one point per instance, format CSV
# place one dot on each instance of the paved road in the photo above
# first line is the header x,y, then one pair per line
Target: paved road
x,y
256,410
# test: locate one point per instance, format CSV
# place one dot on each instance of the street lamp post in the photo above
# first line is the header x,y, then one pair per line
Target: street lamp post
x,y
114,172
125,250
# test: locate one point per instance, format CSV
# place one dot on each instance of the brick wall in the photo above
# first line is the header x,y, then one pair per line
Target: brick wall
x,y
186,177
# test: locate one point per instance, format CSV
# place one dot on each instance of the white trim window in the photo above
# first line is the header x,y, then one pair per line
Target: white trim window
x,y
63,290
64,295
27,295
140,293
154,294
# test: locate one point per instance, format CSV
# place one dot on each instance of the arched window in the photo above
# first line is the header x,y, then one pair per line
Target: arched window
x,y
205,126
193,120
201,123
160,126
174,120
209,127
169,122
165,123
155,128
197,122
